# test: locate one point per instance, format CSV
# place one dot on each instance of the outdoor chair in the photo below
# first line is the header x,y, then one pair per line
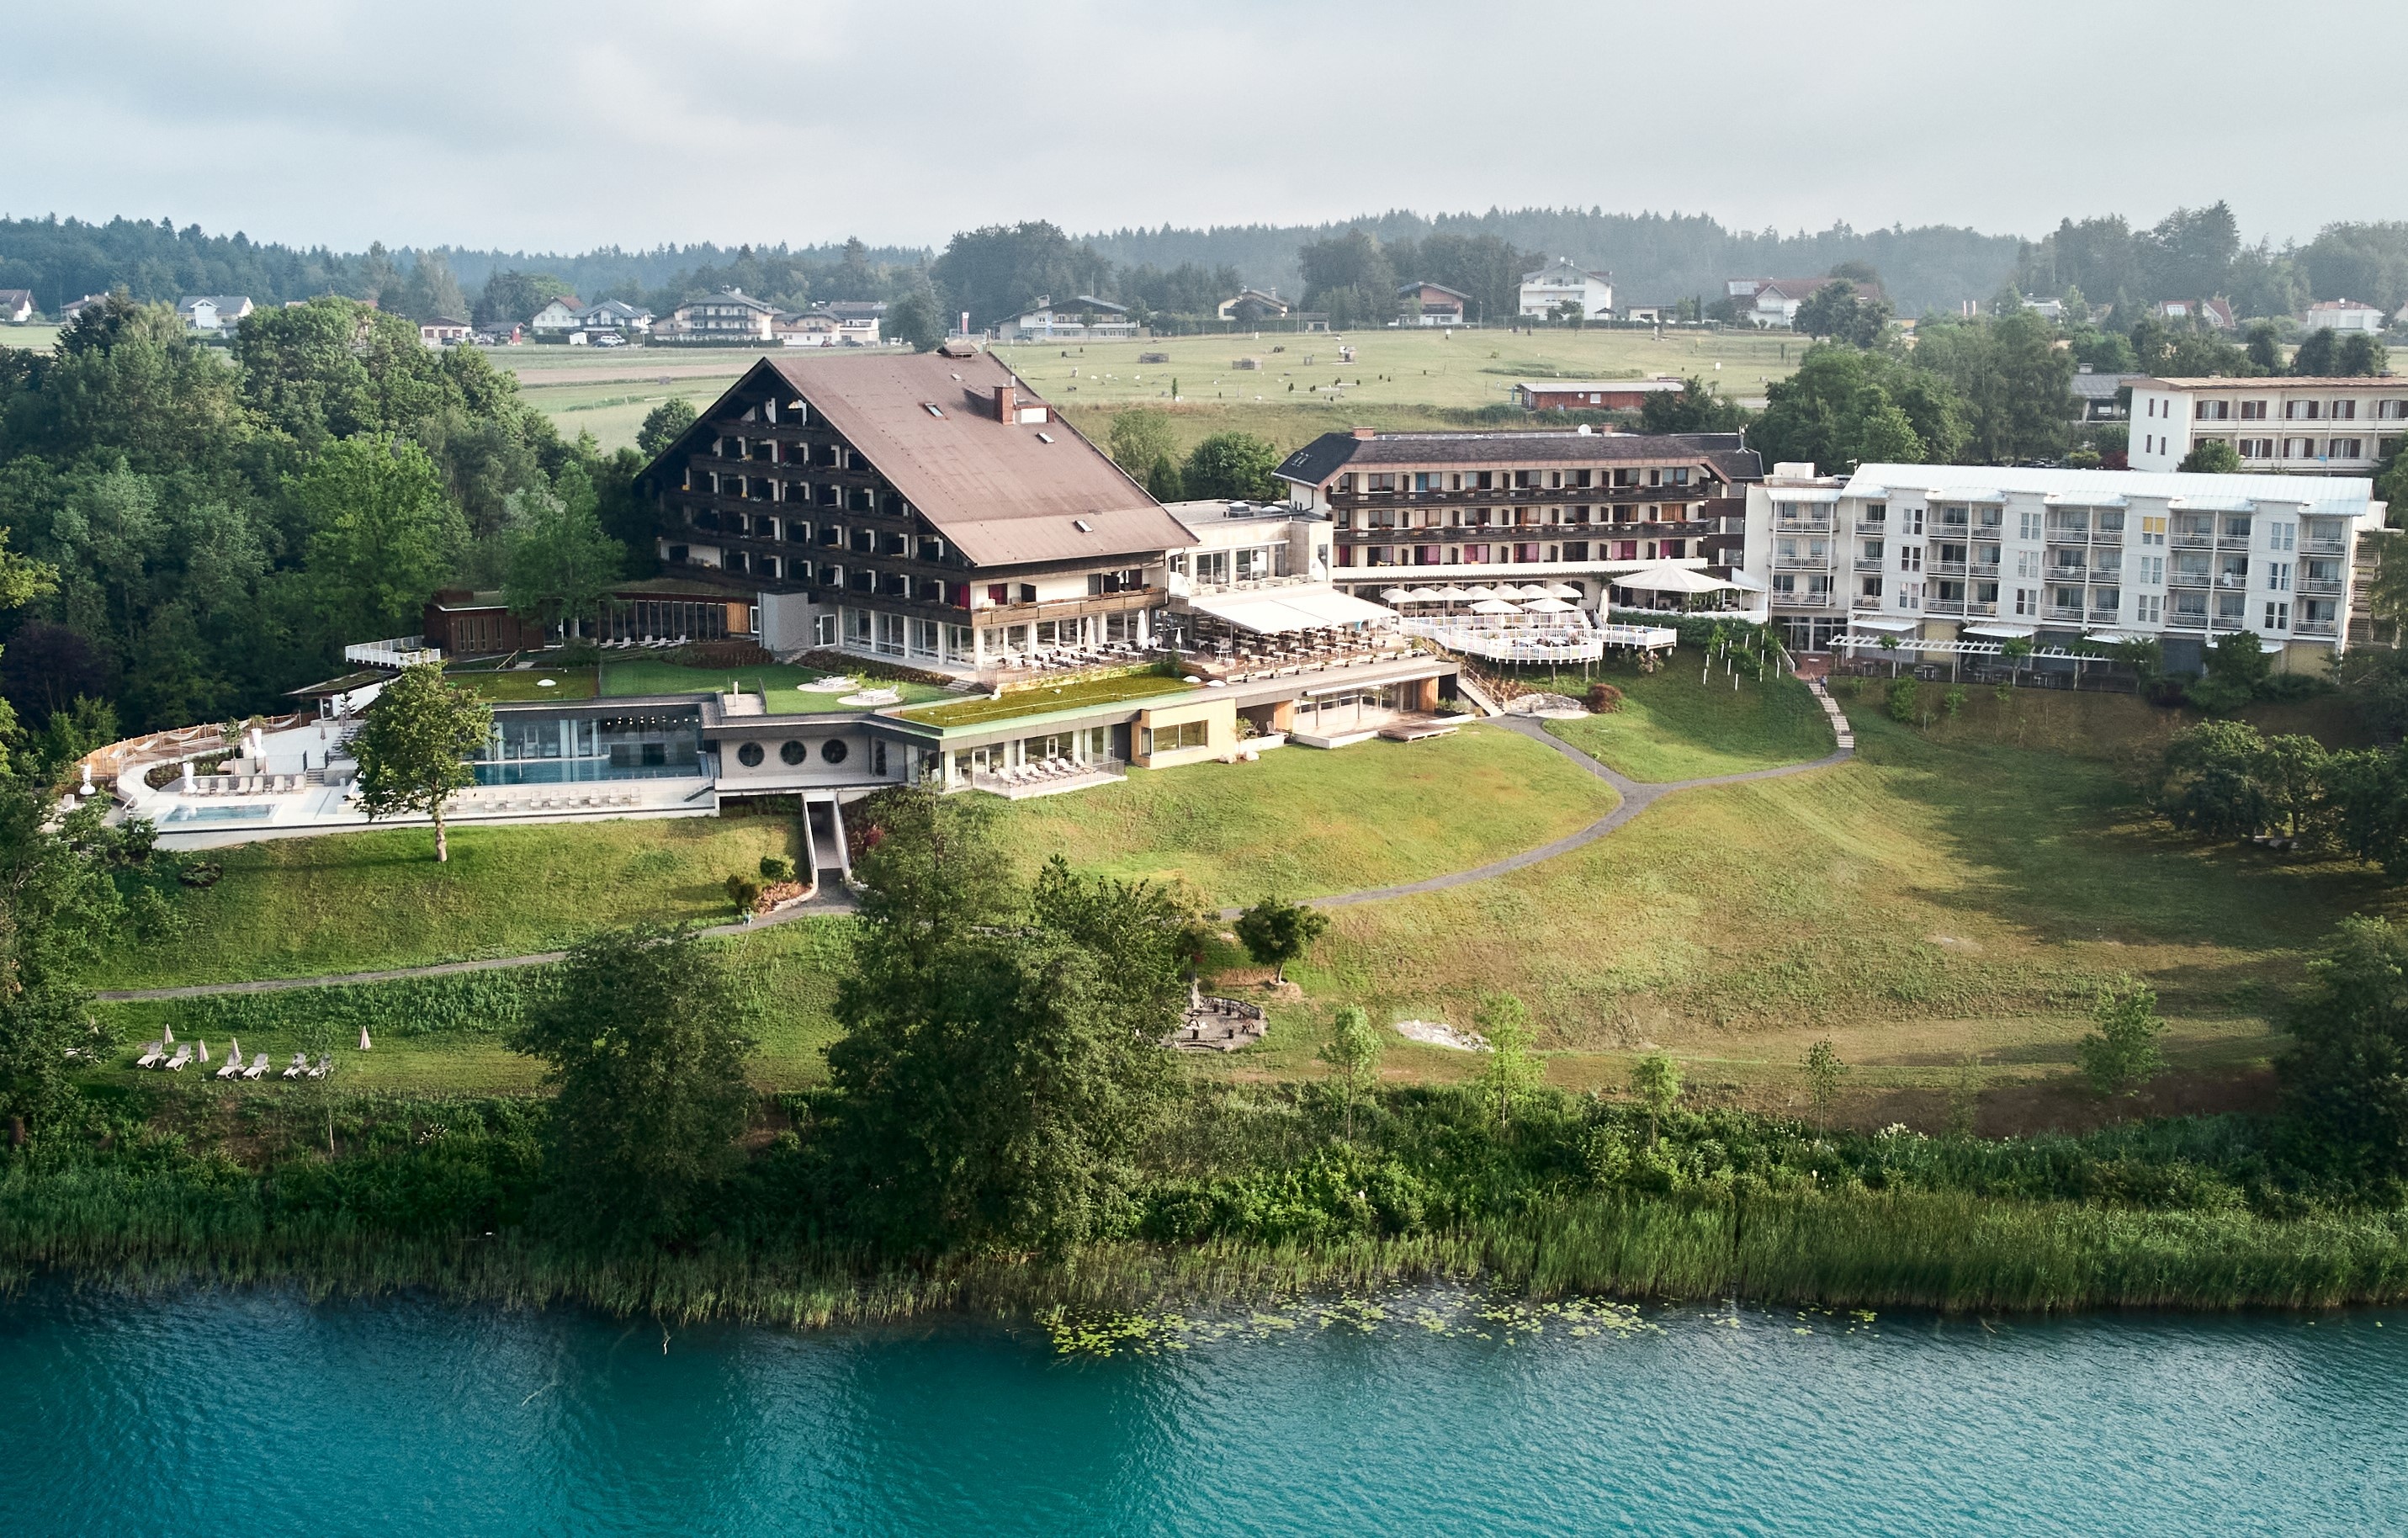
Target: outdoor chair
x,y
324,1062
298,1066
175,1064
232,1066
258,1066
152,1052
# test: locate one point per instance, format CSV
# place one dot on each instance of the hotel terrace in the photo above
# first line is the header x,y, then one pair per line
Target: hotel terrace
x,y
1953,560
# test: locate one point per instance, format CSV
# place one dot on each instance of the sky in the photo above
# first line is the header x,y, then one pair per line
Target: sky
x,y
542,127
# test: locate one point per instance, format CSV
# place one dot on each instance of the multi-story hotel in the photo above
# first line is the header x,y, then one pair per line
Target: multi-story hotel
x,y
1574,507
2302,427
926,510
1946,559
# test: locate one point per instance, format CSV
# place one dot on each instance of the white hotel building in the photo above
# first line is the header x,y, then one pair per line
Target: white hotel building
x,y
1952,560
2304,426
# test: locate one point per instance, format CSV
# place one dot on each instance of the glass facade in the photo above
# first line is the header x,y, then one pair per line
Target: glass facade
x,y
530,750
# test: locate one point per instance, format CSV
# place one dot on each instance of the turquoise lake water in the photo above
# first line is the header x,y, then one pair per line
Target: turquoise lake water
x,y
259,1414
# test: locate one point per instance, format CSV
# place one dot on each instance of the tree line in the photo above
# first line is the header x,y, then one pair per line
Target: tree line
x,y
217,527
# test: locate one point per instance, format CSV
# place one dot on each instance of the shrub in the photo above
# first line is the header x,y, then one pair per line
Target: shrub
x,y
744,890
1604,698
1904,696
1952,703
775,867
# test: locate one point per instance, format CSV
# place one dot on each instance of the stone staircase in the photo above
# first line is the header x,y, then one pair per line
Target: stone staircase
x,y
1838,718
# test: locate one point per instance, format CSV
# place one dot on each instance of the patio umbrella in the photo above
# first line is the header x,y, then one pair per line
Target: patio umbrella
x,y
1416,594
1494,606
1451,594
1672,578
1548,606
1475,592
1396,594
1562,590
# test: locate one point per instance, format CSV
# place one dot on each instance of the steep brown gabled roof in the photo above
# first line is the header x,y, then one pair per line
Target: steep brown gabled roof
x,y
999,491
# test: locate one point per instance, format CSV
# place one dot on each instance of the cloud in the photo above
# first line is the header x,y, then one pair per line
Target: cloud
x,y
542,126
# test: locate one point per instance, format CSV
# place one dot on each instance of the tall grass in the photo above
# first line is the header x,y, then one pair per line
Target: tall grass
x,y
1945,1251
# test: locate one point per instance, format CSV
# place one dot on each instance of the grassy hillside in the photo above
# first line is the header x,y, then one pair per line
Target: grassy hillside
x,y
1300,823
1681,724
362,901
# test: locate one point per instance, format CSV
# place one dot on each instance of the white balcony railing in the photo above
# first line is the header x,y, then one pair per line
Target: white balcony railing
x,y
398,651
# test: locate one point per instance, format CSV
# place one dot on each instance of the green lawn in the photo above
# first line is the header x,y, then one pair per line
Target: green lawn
x,y
786,975
1066,697
1672,726
783,684
528,684
1923,902
1302,822
363,902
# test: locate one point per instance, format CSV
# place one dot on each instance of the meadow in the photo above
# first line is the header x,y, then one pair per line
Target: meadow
x,y
1398,379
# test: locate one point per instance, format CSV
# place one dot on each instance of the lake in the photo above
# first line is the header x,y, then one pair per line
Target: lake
x,y
259,1413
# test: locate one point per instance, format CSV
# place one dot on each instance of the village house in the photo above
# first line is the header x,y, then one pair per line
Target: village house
x,y
729,316
2342,315
1085,318
1563,281
614,315
1771,303
557,317
17,306
2215,314
1430,304
212,314
1252,304
442,331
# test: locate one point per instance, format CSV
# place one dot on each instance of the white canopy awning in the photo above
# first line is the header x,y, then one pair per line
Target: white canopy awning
x,y
1881,626
1672,578
2008,632
1284,610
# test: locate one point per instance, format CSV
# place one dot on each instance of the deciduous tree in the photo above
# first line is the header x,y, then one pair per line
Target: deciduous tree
x,y
1236,465
1512,1070
1352,1054
644,1045
2120,1053
1276,932
413,746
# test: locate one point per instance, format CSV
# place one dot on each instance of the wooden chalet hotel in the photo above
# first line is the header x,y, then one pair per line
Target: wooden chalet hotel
x,y
924,508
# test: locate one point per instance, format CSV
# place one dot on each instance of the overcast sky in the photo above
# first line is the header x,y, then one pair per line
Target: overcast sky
x,y
535,127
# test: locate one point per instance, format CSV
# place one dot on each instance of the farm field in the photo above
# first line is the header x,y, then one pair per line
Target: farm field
x,y
1398,379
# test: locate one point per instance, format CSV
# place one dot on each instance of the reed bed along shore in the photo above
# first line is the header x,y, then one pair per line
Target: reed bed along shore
x,y
1946,1251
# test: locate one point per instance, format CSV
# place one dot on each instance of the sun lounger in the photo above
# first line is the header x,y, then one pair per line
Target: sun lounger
x,y
299,1066
152,1054
175,1064
324,1063
258,1066
232,1066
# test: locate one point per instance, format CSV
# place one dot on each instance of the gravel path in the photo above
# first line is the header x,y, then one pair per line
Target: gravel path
x,y
1637,797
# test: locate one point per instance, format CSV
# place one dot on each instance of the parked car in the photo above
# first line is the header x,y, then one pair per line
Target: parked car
x,y
610,340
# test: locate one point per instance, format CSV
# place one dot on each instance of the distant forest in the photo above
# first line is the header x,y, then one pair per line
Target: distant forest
x,y
1653,258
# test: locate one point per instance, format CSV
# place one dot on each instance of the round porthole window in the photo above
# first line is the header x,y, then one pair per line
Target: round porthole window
x,y
833,750
748,755
794,753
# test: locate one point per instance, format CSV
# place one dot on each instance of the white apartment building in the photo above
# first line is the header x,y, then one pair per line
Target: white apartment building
x,y
1951,559
2303,426
1561,279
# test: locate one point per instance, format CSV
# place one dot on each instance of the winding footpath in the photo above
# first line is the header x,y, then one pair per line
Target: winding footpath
x,y
1636,795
